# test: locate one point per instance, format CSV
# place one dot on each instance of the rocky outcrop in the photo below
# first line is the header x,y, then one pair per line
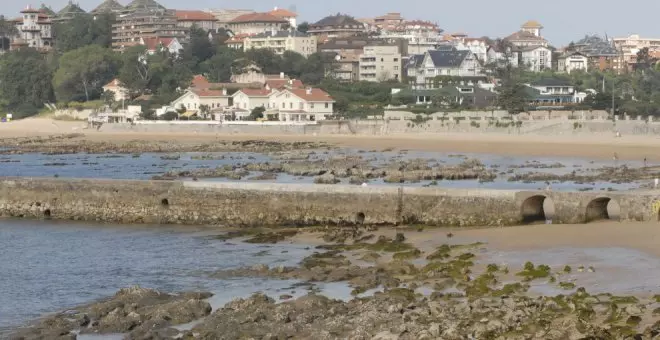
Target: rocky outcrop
x,y
136,311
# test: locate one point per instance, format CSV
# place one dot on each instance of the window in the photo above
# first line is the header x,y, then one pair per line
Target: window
x,y
291,105
327,105
311,105
283,105
396,68
396,59
301,106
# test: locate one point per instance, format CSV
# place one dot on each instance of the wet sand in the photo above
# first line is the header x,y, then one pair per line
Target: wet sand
x,y
594,146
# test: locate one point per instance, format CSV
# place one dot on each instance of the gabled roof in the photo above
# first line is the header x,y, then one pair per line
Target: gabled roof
x,y
255,92
283,83
315,95
525,36
551,82
182,15
152,43
339,20
415,60
108,6
282,13
114,83
257,17
452,58
143,4
209,92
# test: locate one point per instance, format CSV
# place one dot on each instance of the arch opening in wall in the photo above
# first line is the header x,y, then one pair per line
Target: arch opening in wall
x,y
165,202
602,208
537,209
359,218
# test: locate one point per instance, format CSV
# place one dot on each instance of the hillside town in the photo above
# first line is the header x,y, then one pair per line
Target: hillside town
x,y
145,61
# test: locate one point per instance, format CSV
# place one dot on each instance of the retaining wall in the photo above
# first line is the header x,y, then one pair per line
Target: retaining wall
x,y
246,204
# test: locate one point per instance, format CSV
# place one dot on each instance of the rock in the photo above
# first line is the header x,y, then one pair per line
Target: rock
x,y
327,178
385,335
434,330
285,297
259,268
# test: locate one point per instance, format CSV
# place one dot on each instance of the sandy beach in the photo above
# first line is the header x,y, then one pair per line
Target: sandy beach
x,y
588,146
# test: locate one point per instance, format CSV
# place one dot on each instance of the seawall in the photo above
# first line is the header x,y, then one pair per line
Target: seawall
x,y
253,204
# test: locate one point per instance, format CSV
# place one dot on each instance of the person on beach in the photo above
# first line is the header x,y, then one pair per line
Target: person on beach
x,y
645,163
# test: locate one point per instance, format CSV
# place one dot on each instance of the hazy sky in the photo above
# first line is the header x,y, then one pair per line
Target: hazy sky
x,y
564,20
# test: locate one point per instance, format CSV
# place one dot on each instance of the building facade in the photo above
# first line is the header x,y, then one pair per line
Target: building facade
x,y
200,19
443,63
380,63
225,16
194,98
131,28
528,36
629,46
287,15
575,61
35,29
281,41
118,90
310,104
550,93
256,23
421,36
535,58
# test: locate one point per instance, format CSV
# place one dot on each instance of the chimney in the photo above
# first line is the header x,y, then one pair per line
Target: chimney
x,y
308,91
224,91
281,75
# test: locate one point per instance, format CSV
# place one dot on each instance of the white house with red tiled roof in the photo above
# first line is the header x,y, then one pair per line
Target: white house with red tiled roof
x,y
306,104
154,44
249,99
194,98
119,91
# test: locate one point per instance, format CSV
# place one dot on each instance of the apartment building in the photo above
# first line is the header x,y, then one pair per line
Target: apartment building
x,y
336,26
131,28
35,29
225,16
281,41
256,23
380,63
630,45
421,35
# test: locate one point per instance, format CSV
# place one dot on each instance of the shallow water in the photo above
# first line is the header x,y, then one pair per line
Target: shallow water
x,y
48,266
146,165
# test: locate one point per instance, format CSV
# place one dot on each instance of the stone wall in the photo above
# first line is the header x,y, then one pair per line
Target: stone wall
x,y
251,204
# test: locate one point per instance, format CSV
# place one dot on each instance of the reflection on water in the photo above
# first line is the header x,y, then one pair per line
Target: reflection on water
x,y
146,165
48,266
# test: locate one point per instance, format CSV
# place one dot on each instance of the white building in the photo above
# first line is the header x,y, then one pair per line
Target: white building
x,y
310,104
535,58
528,36
249,99
154,45
572,62
35,29
422,36
282,41
477,46
120,92
448,62
194,99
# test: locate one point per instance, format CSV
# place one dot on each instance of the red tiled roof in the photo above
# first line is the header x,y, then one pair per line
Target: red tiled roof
x,y
256,92
238,38
282,13
199,81
152,43
315,95
194,16
209,92
114,83
257,17
280,83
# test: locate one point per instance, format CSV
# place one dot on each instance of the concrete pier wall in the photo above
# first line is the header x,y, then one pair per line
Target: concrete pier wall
x,y
261,204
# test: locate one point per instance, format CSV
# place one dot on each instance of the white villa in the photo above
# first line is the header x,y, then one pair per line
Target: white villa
x,y
285,104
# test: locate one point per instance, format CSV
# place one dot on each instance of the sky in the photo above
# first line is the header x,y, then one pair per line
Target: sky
x,y
563,20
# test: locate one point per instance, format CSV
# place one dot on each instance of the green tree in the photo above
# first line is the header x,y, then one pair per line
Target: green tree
x,y
204,110
7,30
257,113
198,49
83,72
25,82
513,97
83,30
303,27
102,29
292,64
219,67
267,60
135,73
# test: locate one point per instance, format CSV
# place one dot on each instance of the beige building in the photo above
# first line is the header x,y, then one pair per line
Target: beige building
x,y
336,26
380,63
201,19
281,41
256,23
225,16
630,45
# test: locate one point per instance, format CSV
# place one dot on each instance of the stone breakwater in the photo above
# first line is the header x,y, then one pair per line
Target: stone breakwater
x,y
260,204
